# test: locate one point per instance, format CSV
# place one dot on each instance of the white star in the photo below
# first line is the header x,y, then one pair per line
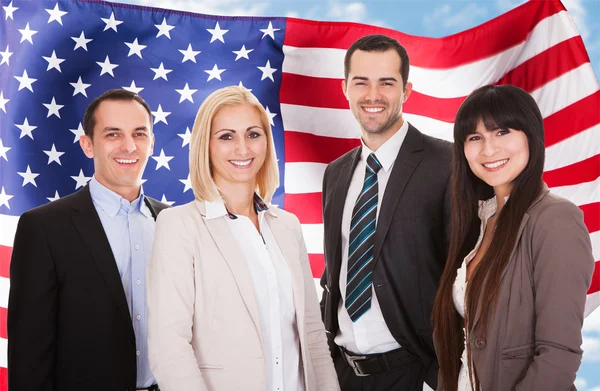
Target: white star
x,y
81,179
241,85
242,53
54,155
187,182
164,28
186,137
56,14
217,33
267,71
27,34
160,115
135,48
270,31
80,87
9,11
161,71
3,101
81,41
3,150
25,81
26,129
189,54
162,160
164,201
5,56
28,177
56,197
271,116
54,62
214,73
107,67
53,108
133,88
4,198
186,93
111,23
78,133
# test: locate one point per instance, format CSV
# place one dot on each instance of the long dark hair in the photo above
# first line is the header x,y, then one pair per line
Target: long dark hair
x,y
499,107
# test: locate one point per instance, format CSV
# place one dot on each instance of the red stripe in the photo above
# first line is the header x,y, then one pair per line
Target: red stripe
x,y
595,286
591,216
317,264
3,379
5,253
570,121
306,206
499,34
583,171
3,333
306,147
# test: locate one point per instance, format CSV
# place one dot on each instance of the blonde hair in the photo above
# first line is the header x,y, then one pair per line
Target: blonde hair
x,y
203,185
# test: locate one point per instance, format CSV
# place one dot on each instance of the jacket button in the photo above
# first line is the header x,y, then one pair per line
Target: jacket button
x,y
131,342
480,342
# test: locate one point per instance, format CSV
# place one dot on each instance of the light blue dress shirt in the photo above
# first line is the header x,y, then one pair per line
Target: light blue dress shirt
x,y
129,227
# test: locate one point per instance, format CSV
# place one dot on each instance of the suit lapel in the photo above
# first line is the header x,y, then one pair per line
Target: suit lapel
x,y
88,224
408,159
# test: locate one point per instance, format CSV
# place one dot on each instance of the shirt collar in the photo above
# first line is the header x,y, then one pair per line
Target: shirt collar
x,y
111,202
388,151
487,208
217,208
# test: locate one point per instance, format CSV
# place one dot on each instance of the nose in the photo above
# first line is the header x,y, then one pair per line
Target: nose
x,y
128,144
490,147
373,94
241,148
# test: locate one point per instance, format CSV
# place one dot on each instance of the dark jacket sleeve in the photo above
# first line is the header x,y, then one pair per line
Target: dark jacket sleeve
x,y
32,307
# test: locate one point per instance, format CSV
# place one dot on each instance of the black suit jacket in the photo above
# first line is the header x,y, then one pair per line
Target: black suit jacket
x,y
411,241
69,326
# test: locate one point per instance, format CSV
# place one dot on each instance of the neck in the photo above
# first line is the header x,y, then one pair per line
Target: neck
x,y
374,141
501,193
239,198
130,193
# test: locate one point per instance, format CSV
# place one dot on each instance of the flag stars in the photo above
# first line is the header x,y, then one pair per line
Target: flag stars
x,y
270,31
81,180
54,155
242,53
26,129
81,42
27,34
189,54
185,137
241,85
9,11
133,88
161,72
80,87
164,29
164,201
5,56
28,177
135,48
53,108
214,73
111,23
267,71
4,198
187,183
54,62
160,115
107,67
162,160
77,132
3,150
25,81
217,33
56,14
270,115
186,93
3,101
56,197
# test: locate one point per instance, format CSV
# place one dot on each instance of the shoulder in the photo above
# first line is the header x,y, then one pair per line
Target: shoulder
x,y
289,219
437,147
179,212
550,208
343,160
55,208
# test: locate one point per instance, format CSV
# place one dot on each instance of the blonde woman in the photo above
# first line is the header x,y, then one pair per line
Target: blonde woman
x,y
232,302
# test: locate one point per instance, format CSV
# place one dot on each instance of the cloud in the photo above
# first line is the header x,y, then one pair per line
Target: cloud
x,y
591,324
223,7
505,5
591,349
579,15
581,383
448,18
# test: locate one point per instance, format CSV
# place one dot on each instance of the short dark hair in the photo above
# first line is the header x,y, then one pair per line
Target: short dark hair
x,y
378,43
89,118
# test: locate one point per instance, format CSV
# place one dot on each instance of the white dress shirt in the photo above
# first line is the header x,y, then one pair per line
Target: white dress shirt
x,y
274,296
369,334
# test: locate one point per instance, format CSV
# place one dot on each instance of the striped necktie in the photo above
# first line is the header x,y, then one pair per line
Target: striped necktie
x,y
362,241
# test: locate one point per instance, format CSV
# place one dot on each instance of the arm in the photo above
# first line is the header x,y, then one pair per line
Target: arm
x,y
171,296
32,307
562,272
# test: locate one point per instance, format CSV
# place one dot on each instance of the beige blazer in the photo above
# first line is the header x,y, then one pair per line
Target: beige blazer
x,y
203,325
533,342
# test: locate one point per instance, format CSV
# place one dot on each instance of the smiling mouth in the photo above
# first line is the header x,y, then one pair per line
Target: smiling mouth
x,y
495,165
126,161
241,163
373,110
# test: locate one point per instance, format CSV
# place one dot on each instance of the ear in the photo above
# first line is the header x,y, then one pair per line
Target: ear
x,y
87,146
407,91
344,89
152,144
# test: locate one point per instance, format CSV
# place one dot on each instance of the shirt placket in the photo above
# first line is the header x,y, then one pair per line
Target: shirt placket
x,y
137,283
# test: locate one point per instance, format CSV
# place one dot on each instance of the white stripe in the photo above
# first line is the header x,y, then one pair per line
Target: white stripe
x,y
431,127
574,149
304,177
580,194
313,236
3,353
595,239
8,227
443,83
592,303
4,289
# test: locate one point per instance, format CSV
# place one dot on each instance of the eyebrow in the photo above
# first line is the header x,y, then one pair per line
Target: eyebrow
x,y
380,79
114,128
232,130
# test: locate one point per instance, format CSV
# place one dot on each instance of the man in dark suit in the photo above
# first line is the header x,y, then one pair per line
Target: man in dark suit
x,y
386,216
77,303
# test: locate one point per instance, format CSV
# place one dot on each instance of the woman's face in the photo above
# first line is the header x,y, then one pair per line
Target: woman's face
x,y
238,145
497,157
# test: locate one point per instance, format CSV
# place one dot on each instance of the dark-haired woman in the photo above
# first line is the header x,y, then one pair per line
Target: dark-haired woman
x,y
510,307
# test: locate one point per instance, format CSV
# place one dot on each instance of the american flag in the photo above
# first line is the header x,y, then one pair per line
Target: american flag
x,y
57,56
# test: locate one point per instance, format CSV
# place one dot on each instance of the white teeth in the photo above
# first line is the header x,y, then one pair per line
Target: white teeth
x,y
373,109
126,161
241,163
496,164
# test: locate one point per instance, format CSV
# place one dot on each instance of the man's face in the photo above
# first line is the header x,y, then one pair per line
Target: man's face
x,y
121,145
375,90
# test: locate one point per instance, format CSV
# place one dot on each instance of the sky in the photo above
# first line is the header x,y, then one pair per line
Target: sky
x,y
430,18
